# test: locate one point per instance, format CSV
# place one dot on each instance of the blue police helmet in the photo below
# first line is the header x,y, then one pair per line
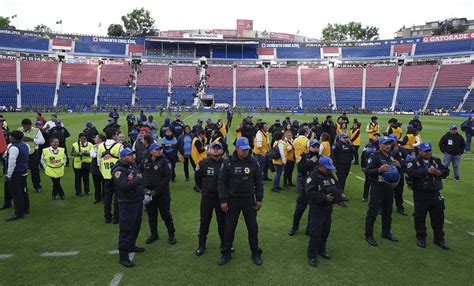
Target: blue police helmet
x,y
392,177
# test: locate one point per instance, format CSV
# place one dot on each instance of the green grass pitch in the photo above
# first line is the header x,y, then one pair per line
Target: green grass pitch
x,y
75,224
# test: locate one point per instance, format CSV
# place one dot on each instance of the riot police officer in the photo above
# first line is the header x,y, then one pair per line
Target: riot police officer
x,y
240,189
206,175
306,165
322,192
383,171
128,183
157,172
396,153
368,150
425,174
342,154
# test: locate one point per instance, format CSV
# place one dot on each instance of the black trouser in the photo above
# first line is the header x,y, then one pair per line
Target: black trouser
x,y
109,195
81,175
435,207
130,222
34,165
208,205
367,186
57,188
319,228
342,171
98,186
288,174
301,204
381,196
186,167
398,192
17,190
229,121
356,154
161,202
247,207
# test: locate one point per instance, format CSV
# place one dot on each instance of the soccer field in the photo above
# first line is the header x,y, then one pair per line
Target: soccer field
x,y
77,225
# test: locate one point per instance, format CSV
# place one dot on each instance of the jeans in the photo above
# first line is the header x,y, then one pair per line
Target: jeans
x,y
278,172
468,142
448,158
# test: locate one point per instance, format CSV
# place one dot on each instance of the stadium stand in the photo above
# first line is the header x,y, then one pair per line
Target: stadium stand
x,y
221,95
38,72
283,77
114,95
8,94
443,47
153,75
284,97
7,71
80,73
312,77
219,76
152,95
316,97
75,94
378,98
118,74
184,76
365,52
37,94
251,97
250,77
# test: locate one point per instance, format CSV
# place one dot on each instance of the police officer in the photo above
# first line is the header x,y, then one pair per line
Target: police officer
x,y
396,153
342,153
322,192
425,174
80,153
206,176
157,172
128,183
107,156
308,162
383,171
17,170
368,150
240,189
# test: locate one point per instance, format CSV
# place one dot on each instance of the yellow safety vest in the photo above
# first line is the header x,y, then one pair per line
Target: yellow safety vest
x,y
108,157
290,154
195,155
54,162
355,137
301,146
279,160
265,147
374,129
30,133
326,148
78,160
223,130
397,132
410,142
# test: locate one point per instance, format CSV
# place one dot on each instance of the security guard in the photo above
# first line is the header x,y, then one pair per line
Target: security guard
x,y
261,147
372,127
81,163
53,160
394,128
426,174
322,192
206,179
157,172
198,150
355,140
34,138
240,189
383,171
128,183
308,162
342,153
107,156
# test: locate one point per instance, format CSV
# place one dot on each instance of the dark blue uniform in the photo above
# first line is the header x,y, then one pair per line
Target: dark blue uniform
x,y
240,184
342,154
16,188
128,183
368,150
398,191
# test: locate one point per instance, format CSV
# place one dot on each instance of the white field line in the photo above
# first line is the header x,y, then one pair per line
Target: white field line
x,y
5,256
116,280
58,254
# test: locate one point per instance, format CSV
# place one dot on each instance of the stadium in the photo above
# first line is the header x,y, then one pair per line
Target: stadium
x,y
201,73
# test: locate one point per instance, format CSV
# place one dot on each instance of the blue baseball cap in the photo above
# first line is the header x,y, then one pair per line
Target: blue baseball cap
x,y
167,119
385,140
314,142
393,137
453,127
155,146
343,136
199,120
216,144
426,147
327,163
126,152
89,124
242,143
177,115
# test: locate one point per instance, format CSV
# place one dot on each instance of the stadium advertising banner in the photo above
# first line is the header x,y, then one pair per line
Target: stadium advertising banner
x,y
171,34
203,36
243,25
453,37
93,39
40,35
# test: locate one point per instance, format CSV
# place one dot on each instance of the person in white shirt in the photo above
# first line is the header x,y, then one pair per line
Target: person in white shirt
x,y
33,138
51,123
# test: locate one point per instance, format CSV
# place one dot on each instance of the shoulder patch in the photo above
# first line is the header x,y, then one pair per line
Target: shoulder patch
x,y
117,174
369,161
409,165
169,166
308,180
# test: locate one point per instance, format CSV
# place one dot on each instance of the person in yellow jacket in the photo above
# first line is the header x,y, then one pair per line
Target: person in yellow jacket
x,y
81,163
108,154
279,163
325,147
224,129
53,160
300,144
290,160
355,140
261,146
372,127
410,142
198,151
394,128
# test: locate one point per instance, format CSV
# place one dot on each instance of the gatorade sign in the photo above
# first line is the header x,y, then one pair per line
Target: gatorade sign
x,y
453,37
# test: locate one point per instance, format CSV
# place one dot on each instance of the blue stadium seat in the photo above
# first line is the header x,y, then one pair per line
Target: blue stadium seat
x,y
221,95
114,95
284,97
378,98
469,104
254,97
348,97
410,99
316,97
76,95
7,94
446,98
37,94
152,95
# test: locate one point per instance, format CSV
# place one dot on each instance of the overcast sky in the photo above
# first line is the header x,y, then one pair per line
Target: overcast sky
x,y
308,16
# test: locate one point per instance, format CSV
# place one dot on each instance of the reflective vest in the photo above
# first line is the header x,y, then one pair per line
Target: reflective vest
x,y
411,140
397,132
30,133
78,160
278,161
326,148
54,162
223,130
195,155
374,128
355,137
290,154
301,146
264,149
108,157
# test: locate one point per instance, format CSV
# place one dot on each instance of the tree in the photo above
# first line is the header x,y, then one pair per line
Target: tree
x,y
446,27
5,23
42,28
138,22
115,30
352,31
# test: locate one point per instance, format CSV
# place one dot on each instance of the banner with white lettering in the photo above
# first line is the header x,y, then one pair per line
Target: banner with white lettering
x,y
453,37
